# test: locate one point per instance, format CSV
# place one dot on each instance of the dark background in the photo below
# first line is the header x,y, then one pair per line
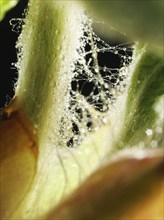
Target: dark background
x,y
8,56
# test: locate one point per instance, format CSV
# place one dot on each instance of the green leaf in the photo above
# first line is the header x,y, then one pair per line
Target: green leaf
x,y
5,6
147,86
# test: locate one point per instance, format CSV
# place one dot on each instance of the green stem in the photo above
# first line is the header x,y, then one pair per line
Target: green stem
x,y
145,89
47,47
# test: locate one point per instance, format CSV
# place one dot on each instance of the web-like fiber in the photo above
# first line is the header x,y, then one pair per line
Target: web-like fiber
x,y
99,77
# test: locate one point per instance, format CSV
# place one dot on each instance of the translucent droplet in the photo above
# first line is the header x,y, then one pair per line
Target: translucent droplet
x,y
104,69
149,132
106,85
96,70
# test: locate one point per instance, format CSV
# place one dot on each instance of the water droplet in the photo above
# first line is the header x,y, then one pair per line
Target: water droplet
x,y
104,69
106,86
96,70
149,132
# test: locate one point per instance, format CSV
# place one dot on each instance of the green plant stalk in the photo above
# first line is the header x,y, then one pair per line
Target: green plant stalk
x,y
47,46
145,89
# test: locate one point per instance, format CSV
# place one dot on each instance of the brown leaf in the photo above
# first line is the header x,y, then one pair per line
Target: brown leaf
x,y
128,188
18,157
